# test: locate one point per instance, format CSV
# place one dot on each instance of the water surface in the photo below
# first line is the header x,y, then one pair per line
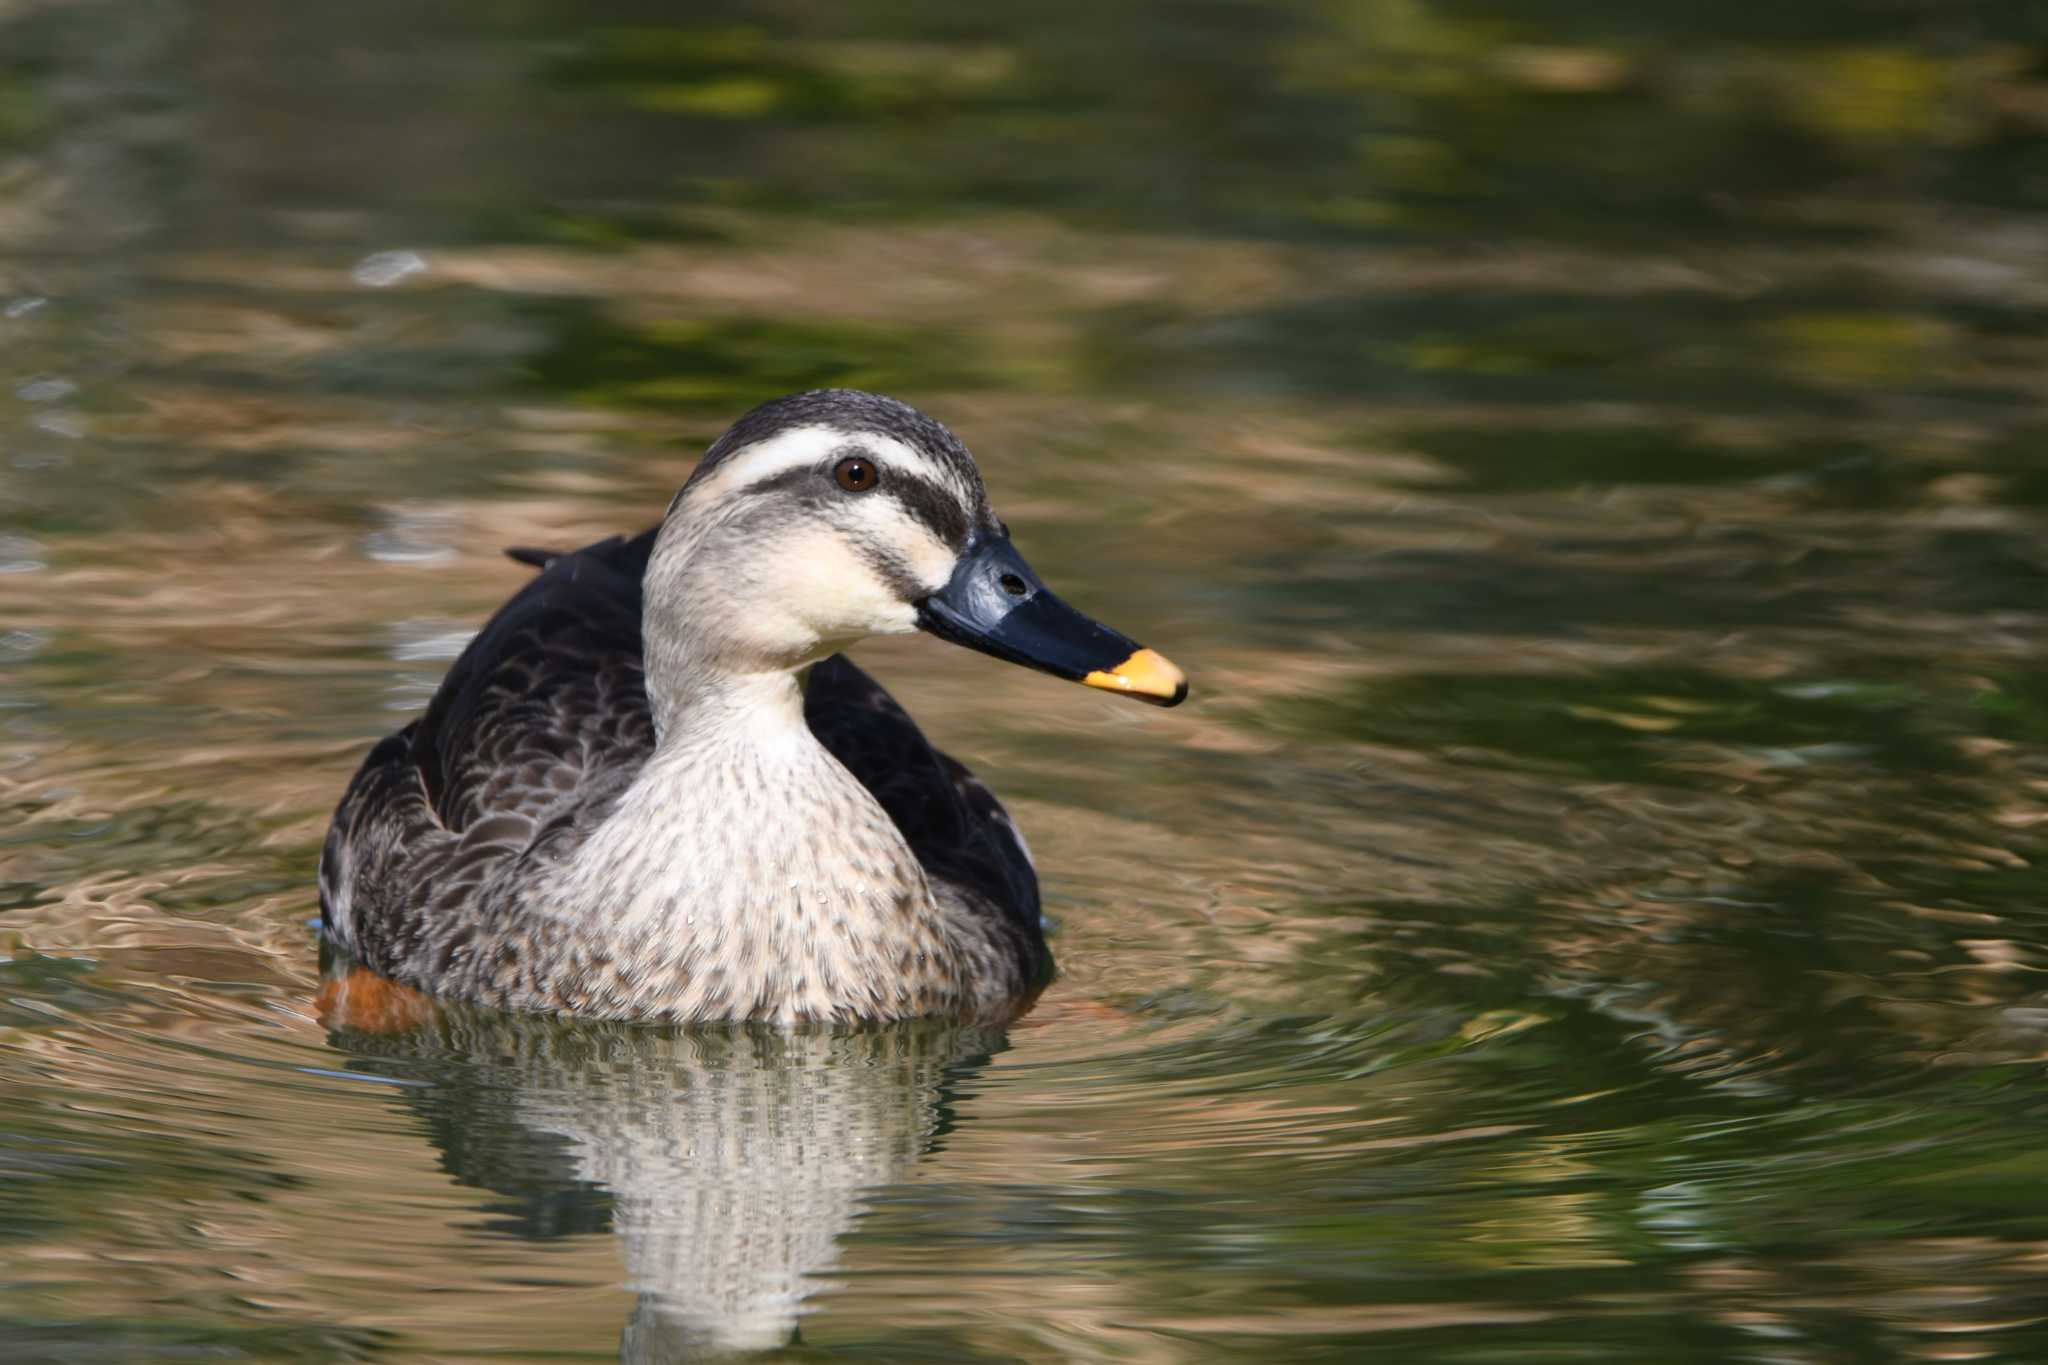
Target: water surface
x,y
1587,456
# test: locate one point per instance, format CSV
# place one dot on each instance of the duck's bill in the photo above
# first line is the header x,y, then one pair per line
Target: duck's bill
x,y
996,604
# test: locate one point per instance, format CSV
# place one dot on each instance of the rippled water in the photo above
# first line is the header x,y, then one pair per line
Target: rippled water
x,y
1589,457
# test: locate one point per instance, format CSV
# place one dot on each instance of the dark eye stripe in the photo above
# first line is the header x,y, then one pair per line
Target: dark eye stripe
x,y
933,504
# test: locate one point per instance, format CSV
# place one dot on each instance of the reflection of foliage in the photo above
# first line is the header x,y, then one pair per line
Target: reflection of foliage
x,y
1524,458
21,113
729,364
614,228
2014,708
1341,114
737,71
2018,460
1636,725
1866,346
1554,344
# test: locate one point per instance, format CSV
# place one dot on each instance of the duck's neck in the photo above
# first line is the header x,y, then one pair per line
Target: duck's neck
x,y
706,711
747,873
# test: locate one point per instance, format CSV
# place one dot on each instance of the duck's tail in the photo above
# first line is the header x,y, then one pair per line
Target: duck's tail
x,y
526,554
617,553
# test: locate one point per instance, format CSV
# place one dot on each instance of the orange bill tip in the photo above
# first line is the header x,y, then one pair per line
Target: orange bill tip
x,y
1147,675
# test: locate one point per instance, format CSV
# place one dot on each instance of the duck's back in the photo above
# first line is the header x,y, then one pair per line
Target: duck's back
x,y
535,732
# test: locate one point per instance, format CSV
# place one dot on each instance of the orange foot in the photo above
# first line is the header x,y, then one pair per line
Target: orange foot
x,y
366,1002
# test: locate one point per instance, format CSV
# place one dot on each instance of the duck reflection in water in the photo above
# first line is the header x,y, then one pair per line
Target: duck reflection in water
x,y
728,1159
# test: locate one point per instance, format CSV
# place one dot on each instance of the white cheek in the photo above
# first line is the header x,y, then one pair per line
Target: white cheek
x,y
931,561
836,592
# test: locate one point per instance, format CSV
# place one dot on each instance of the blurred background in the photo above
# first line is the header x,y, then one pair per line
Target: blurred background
x,y
1589,457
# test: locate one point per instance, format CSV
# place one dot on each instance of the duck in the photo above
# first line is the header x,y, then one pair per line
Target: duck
x,y
653,786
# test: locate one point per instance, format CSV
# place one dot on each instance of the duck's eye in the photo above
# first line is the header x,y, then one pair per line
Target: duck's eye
x,y
856,473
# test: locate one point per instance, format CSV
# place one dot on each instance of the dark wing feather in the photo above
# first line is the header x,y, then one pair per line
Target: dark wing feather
x,y
542,715
546,696
954,824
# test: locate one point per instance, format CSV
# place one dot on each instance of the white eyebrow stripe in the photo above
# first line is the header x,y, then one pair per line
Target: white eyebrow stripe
x,y
802,447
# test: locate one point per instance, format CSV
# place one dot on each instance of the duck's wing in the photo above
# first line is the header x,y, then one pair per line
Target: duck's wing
x,y
954,824
544,713
548,693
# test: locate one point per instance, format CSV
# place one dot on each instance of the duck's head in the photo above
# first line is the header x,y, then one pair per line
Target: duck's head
x,y
823,518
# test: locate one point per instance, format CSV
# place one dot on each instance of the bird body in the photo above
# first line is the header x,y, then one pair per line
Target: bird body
x,y
652,788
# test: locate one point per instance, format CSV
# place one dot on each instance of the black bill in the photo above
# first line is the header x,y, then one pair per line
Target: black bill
x,y
996,604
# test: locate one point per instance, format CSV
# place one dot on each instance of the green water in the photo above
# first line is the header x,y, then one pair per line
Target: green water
x,y
1591,458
